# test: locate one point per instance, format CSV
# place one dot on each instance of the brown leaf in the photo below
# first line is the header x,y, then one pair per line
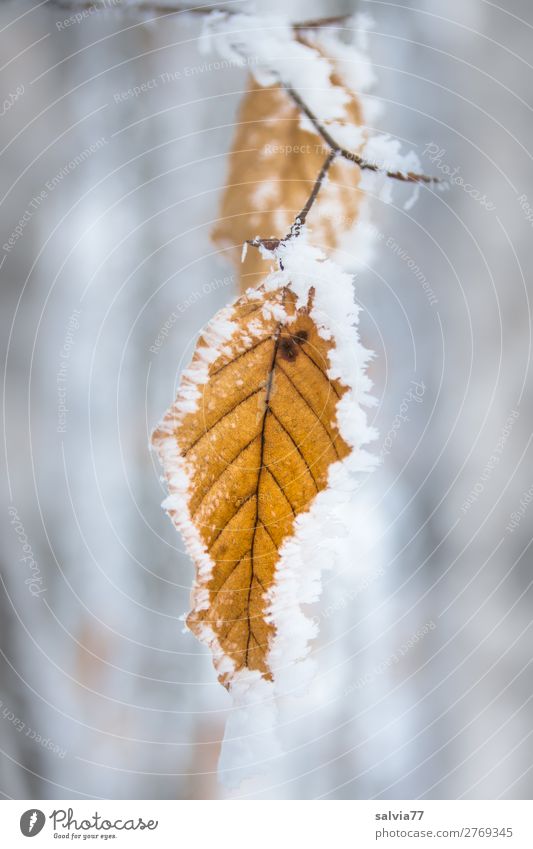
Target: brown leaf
x,y
256,446
272,167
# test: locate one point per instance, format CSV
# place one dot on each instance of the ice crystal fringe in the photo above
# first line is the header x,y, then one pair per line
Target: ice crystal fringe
x,y
268,47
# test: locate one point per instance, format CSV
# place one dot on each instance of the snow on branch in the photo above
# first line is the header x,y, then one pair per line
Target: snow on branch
x,y
302,65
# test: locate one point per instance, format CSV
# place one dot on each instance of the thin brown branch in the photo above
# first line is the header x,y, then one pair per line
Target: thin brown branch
x,y
154,6
271,244
300,220
161,8
364,164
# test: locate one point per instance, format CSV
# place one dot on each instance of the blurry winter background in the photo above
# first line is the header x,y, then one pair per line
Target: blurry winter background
x,y
424,682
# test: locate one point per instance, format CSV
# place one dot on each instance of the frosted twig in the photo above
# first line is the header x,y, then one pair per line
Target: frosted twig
x,y
407,177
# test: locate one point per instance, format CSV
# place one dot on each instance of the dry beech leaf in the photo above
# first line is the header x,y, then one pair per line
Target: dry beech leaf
x,y
246,448
272,167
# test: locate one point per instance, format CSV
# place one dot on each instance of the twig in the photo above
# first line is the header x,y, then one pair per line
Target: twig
x,y
299,221
408,177
272,244
167,9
